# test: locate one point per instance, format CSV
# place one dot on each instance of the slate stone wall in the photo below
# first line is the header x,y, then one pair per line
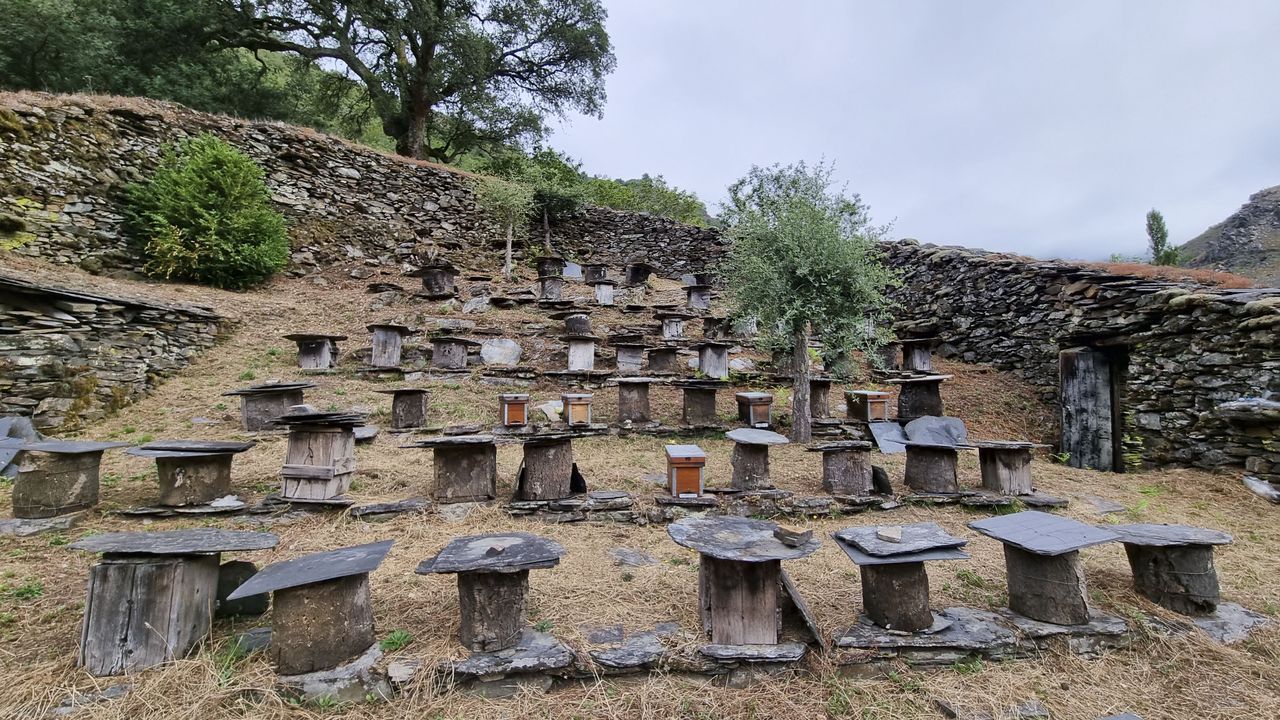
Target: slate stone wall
x,y
68,357
1190,349
64,162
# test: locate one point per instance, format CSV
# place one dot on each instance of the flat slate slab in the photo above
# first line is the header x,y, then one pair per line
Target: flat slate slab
x,y
201,541
451,441
309,337
841,446
497,552
1098,624
916,538
736,538
1042,533
753,436
937,430
314,568
631,651
919,379
270,388
782,652
61,447
536,652
189,448
860,558
889,436
967,630
1152,535
1230,623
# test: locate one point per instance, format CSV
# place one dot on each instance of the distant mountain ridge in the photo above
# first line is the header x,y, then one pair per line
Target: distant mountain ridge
x,y
1246,243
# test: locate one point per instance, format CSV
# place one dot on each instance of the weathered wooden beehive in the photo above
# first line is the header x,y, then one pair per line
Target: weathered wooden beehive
x,y
713,359
633,399
582,352
387,344
449,352
755,408
686,468
409,407
699,402
698,297
603,291
846,467
260,405
751,457
895,586
323,615
439,279
192,472
867,405
316,351
151,598
919,396
465,467
321,455
56,477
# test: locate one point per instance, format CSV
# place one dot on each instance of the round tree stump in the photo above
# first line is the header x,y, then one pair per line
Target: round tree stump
x,y
1047,588
1006,470
896,596
1180,578
932,470
548,471
847,472
919,399
50,484
819,398
321,625
750,467
492,609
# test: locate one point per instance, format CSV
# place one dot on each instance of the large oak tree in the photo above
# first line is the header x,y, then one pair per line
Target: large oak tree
x,y
445,76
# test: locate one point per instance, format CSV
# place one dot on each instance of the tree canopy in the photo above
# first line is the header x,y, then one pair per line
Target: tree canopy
x,y
444,76
1158,240
804,260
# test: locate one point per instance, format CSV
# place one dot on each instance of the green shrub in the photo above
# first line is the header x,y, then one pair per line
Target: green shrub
x,y
205,216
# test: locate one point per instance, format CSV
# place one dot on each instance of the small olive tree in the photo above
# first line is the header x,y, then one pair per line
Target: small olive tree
x,y
804,259
509,204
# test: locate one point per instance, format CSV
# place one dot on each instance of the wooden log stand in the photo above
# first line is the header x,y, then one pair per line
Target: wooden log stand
x,y
56,477
323,614
192,472
450,353
409,407
465,467
493,582
167,582
895,586
1173,565
699,402
920,397
819,397
846,467
547,471
1006,466
931,468
1042,560
739,575
664,359
751,457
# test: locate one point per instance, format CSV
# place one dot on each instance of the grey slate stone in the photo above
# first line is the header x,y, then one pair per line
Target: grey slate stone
x,y
497,552
177,542
1041,533
916,537
889,436
1153,535
536,652
937,431
632,558
782,652
1231,623
735,538
314,568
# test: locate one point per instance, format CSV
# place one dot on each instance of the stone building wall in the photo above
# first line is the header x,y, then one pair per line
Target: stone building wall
x,y
65,160
1189,349
69,357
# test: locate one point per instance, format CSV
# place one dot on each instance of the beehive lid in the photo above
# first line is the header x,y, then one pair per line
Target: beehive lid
x,y
1042,533
686,452
497,552
314,568
200,541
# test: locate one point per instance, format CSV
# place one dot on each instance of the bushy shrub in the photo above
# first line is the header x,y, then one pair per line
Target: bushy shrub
x,y
206,216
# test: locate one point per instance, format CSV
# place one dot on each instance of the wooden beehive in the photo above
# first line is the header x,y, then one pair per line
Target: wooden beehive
x,y
319,462
515,409
577,409
755,409
685,467
867,405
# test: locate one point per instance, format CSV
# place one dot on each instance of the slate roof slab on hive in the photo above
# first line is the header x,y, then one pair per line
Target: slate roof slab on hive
x,y
753,436
497,552
1151,535
315,568
200,541
736,538
1041,533
921,542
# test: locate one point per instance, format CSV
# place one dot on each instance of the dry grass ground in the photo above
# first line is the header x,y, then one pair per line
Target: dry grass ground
x,y
42,584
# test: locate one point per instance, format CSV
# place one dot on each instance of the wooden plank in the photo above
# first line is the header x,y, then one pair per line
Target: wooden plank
x,y
1087,427
492,608
141,612
741,600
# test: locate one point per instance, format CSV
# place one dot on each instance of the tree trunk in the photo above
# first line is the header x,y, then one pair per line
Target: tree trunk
x,y
801,420
507,265
546,232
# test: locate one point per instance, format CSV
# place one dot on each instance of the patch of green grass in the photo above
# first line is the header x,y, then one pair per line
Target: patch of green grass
x,y
109,480
129,429
971,666
396,640
1151,490
220,406
246,375
972,579
543,626
146,438
58,540
29,590
5,481
628,577
8,618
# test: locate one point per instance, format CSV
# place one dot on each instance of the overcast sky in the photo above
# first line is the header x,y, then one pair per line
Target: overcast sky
x,y
1044,127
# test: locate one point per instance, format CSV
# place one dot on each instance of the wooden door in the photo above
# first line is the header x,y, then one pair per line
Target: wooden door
x,y
1088,410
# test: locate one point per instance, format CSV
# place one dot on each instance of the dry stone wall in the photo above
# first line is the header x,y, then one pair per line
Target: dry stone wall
x,y
1190,349
64,162
67,357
